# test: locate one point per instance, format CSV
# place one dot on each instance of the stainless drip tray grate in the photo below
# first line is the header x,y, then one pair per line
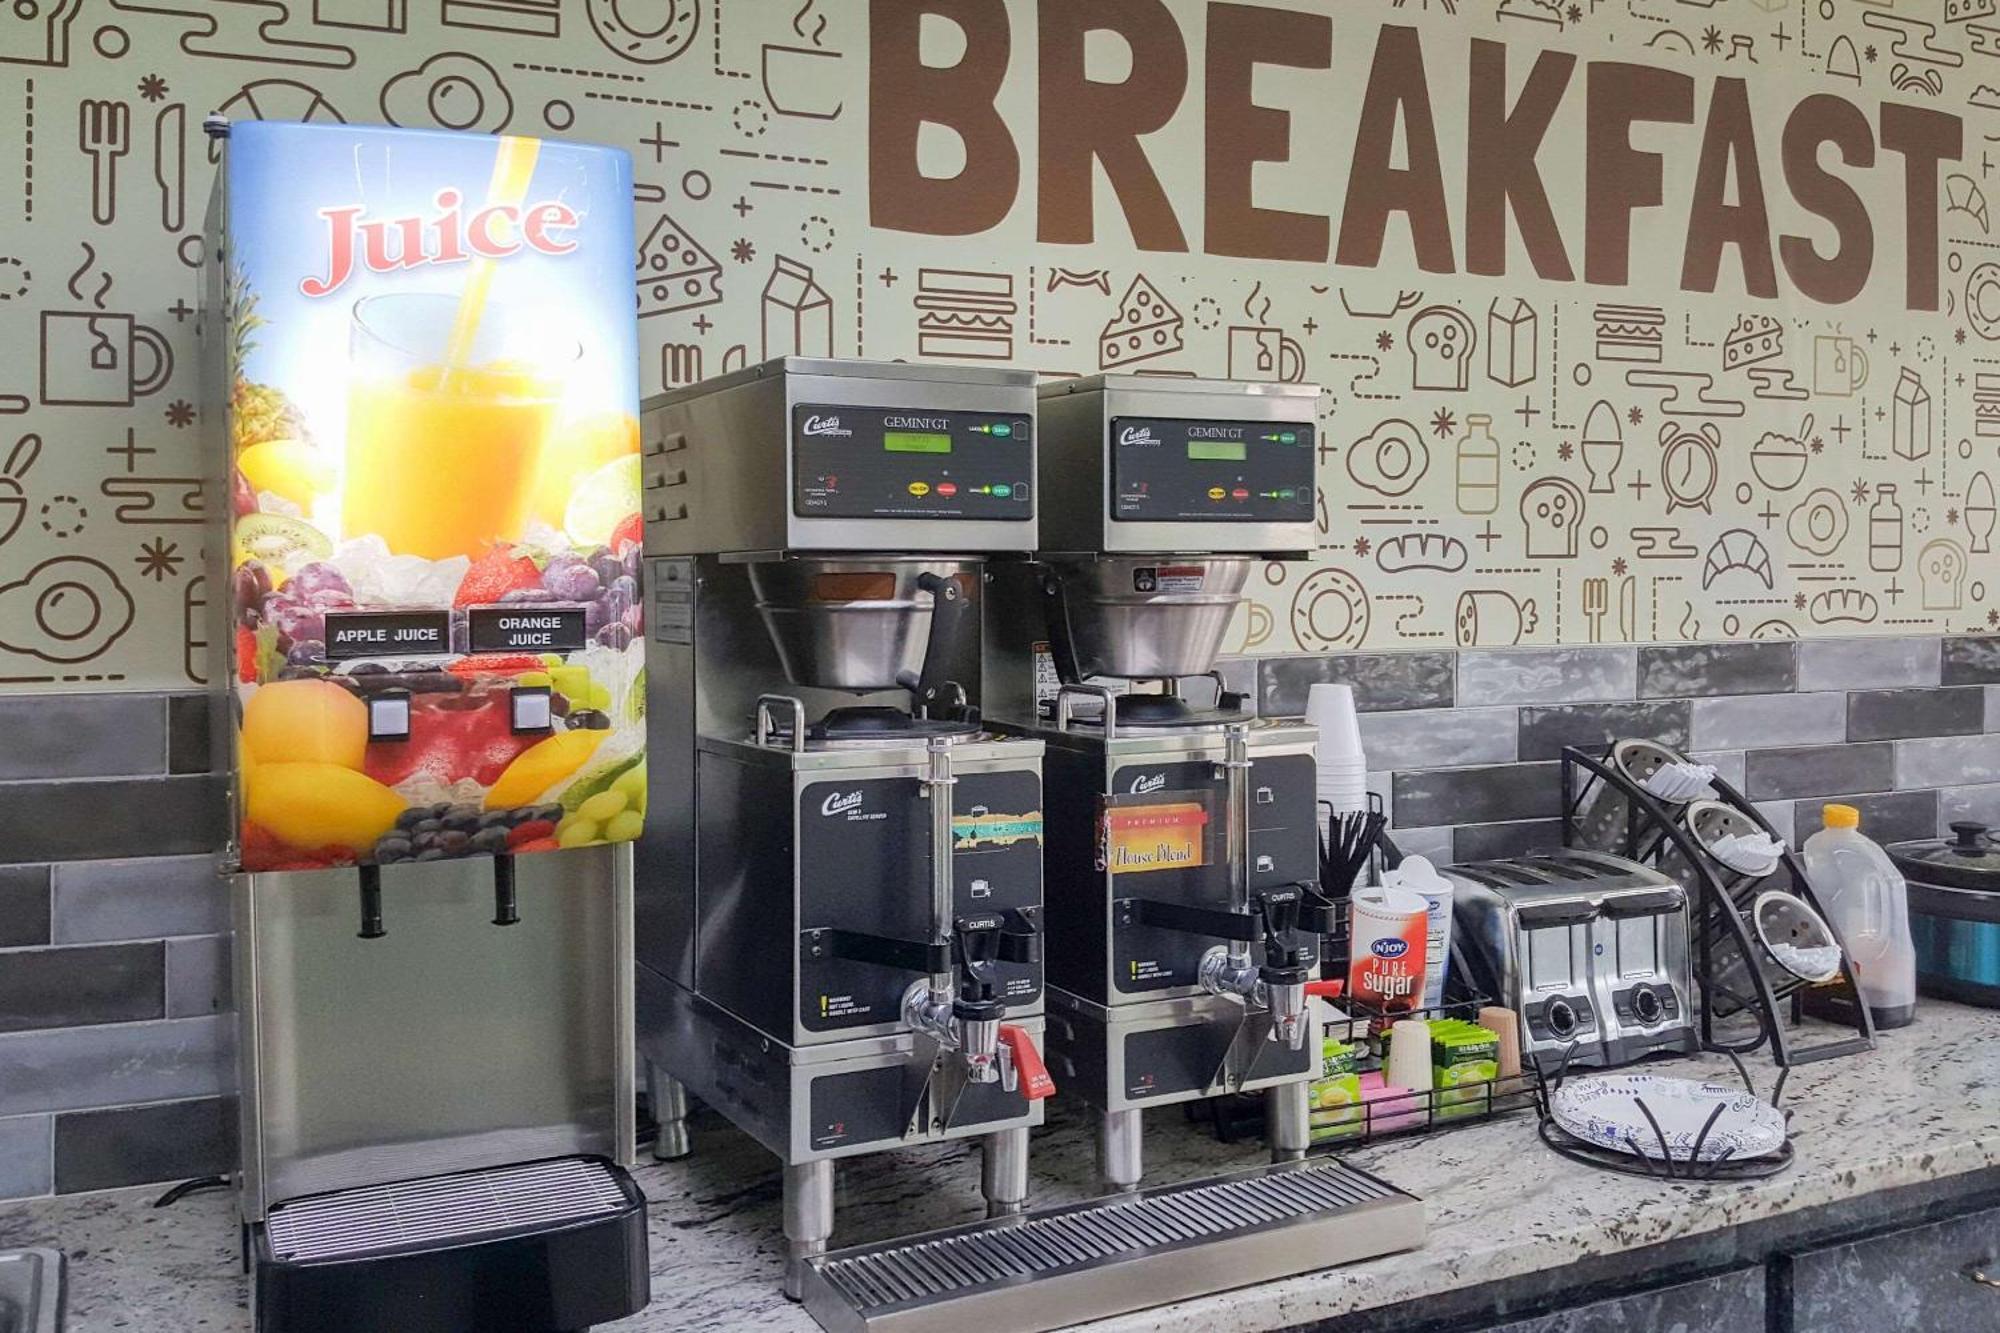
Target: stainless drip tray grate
x,y
1093,1260
411,1213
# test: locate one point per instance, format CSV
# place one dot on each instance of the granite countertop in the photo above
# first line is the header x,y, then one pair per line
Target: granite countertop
x,y
1921,1107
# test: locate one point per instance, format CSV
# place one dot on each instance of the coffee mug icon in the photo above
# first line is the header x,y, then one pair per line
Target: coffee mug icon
x,y
91,359
1261,353
1840,367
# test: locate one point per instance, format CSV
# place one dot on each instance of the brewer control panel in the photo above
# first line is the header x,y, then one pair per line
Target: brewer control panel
x,y
885,462
1185,470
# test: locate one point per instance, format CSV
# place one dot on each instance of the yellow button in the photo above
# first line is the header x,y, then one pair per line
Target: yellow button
x,y
1216,493
920,488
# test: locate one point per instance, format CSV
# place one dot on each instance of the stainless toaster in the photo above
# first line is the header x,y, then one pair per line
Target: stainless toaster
x,y
1591,950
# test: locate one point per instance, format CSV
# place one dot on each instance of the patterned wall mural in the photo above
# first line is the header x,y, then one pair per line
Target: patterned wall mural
x,y
1638,319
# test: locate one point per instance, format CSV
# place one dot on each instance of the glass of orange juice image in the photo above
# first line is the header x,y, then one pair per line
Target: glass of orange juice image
x,y
442,460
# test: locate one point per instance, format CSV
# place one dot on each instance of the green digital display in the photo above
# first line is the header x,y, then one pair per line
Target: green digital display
x,y
1217,451
915,442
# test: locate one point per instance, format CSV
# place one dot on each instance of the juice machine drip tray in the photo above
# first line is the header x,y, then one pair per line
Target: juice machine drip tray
x,y
473,1249
1063,1266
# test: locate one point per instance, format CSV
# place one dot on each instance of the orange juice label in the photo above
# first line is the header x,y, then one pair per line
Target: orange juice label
x,y
1138,838
1385,969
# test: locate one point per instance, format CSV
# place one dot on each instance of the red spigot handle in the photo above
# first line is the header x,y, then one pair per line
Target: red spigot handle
x,y
1325,990
1035,1082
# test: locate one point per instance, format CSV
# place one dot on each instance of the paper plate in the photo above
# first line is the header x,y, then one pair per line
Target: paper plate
x,y
1605,1111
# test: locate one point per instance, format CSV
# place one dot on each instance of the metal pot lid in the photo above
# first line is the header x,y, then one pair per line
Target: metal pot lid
x,y
1969,859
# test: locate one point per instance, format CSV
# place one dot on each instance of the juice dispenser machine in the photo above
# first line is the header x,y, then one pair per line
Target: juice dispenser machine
x,y
1184,917
839,899
426,500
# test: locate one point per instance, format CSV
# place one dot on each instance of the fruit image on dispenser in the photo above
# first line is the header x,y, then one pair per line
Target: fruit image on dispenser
x,y
434,540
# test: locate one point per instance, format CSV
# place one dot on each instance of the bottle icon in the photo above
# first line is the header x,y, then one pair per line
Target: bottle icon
x,y
1885,531
1478,467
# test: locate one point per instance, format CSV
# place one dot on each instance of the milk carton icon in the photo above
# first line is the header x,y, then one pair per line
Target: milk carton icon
x,y
1911,418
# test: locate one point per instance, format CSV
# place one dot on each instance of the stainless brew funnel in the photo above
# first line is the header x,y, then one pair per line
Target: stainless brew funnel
x,y
1142,617
859,624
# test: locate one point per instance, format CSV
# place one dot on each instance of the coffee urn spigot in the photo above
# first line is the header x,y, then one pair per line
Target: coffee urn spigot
x,y
1286,968
1279,982
967,1018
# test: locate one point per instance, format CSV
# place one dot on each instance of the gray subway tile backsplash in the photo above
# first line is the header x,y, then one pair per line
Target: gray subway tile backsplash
x,y
1895,816
117,1064
1486,795
188,737
1682,669
1461,743
1381,681
24,906
1819,770
1972,661
1948,761
1865,664
1949,710
1439,737
100,817
1754,721
1729,765
1979,804
71,987
1488,842
130,1145
1546,675
27,1165
142,898
82,736
1547,728
198,976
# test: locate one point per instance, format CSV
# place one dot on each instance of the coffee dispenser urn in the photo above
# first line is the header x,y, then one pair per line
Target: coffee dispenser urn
x,y
1184,918
840,887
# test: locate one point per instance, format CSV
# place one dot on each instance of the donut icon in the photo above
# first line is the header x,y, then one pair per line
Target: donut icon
x,y
646,32
68,609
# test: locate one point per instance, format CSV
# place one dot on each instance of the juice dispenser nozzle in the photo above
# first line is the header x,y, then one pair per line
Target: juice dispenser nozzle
x,y
506,907
371,903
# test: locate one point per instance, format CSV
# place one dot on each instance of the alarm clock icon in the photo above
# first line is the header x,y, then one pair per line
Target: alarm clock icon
x,y
1688,467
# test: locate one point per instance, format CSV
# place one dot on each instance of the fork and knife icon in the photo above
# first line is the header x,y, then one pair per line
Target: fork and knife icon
x,y
104,133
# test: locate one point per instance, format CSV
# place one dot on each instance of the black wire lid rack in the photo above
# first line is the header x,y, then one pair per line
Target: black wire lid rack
x,y
1750,995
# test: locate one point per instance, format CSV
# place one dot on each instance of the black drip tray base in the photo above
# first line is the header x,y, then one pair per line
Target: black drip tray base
x,y
527,1248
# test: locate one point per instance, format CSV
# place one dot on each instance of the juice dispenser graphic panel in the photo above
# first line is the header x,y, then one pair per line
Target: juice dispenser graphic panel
x,y
433,478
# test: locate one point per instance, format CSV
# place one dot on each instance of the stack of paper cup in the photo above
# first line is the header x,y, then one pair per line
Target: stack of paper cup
x,y
1343,770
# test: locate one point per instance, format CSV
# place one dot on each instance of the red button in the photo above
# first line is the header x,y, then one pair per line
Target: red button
x,y
1239,494
947,488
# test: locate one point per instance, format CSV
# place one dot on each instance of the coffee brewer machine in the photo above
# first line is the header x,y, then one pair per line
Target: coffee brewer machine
x,y
435,738
839,894
1183,915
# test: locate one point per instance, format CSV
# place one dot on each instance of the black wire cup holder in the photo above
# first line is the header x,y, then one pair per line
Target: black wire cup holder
x,y
1638,1162
1737,938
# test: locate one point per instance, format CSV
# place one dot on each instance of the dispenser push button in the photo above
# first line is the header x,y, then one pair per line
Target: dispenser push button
x,y
531,710
389,716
